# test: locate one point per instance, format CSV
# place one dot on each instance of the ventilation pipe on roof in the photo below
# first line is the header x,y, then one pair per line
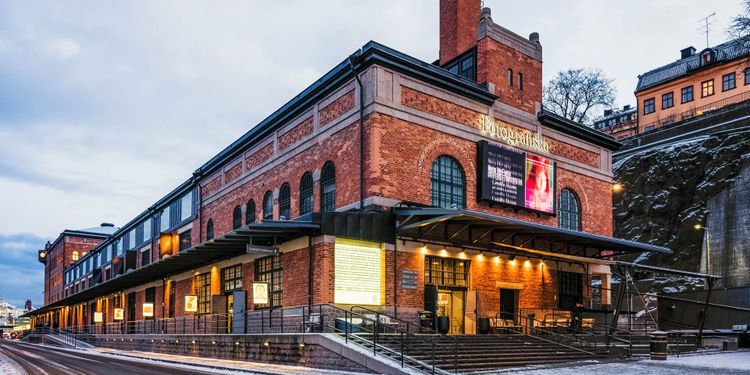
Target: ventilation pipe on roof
x,y
352,58
107,225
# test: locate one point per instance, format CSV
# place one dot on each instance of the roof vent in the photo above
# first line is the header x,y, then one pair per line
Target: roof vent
x,y
608,112
107,225
687,52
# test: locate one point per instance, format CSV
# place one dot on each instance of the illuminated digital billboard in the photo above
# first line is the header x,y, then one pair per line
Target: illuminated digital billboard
x,y
516,178
359,269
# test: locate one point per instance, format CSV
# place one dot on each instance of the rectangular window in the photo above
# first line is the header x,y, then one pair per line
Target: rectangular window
x,y
707,88
687,94
119,245
150,297
667,100
139,234
570,289
231,278
446,271
186,206
510,77
269,270
147,230
164,218
520,81
747,76
728,81
463,66
185,240
131,240
145,256
96,260
649,106
202,285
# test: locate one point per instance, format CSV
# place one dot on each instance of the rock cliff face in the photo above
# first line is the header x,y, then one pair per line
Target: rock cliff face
x,y
667,191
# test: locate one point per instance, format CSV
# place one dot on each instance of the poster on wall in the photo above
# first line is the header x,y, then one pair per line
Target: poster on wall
x,y
260,293
513,177
119,313
191,303
358,272
148,310
98,317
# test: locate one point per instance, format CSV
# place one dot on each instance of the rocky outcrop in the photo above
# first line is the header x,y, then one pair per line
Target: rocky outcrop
x,y
667,190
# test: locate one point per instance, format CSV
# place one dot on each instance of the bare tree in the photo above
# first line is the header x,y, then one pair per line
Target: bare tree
x,y
739,28
576,93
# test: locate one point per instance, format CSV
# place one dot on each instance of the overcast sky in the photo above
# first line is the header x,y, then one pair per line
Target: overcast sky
x,y
106,106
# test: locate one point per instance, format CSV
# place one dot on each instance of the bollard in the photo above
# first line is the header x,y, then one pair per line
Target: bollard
x,y
659,345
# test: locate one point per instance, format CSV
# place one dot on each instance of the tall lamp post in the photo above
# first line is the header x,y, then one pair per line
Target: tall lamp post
x,y
708,244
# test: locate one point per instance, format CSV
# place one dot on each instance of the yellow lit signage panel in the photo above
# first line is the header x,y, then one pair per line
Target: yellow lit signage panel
x,y
260,293
191,303
359,272
98,317
148,310
119,314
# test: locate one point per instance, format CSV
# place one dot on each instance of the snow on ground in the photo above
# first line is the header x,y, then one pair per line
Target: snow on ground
x,y
714,363
9,366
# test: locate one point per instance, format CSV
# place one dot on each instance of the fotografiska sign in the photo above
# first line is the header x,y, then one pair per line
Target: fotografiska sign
x,y
513,137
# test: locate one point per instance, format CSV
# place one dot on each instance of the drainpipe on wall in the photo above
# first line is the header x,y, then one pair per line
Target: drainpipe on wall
x,y
352,57
309,272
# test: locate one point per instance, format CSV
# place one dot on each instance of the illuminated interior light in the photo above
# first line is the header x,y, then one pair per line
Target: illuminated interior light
x,y
497,259
237,343
266,344
443,253
302,345
423,249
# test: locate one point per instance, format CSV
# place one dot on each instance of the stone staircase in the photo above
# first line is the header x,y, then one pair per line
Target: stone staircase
x,y
471,353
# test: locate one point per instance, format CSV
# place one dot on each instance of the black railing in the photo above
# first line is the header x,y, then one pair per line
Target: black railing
x,y
373,333
44,333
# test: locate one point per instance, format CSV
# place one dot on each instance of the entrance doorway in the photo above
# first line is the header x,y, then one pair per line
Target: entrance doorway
x,y
509,304
451,305
230,312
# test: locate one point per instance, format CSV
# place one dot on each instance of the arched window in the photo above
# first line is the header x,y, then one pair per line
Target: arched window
x,y
569,210
328,187
210,229
285,202
236,217
306,194
268,206
250,212
448,183
74,256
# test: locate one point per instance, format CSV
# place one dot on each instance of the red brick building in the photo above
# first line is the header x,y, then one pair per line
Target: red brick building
x,y
389,182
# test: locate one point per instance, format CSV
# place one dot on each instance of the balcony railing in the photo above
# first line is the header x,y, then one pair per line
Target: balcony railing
x,y
697,111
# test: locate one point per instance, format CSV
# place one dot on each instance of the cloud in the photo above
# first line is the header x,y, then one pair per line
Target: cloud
x,y
3,45
62,48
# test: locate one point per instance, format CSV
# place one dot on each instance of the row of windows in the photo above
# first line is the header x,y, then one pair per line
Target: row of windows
x,y
171,216
448,183
327,200
728,82
267,270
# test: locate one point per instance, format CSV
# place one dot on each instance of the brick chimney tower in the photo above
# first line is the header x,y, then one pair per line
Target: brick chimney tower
x,y
458,27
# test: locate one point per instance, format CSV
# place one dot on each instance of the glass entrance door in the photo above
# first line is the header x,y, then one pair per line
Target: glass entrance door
x,y
451,304
230,312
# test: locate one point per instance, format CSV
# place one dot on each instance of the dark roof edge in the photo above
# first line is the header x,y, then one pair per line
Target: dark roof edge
x,y
557,122
79,233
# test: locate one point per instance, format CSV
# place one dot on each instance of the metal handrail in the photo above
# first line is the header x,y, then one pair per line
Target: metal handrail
x,y
532,329
408,332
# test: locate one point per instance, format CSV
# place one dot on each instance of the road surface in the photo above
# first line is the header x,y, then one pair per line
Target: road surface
x,y
47,360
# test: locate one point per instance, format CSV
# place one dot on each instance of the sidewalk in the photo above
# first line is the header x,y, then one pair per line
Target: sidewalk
x,y
9,366
223,364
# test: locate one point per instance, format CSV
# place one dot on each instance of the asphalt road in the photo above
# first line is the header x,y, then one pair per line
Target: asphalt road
x,y
46,360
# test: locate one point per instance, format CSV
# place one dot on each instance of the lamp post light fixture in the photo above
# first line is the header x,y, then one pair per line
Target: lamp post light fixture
x,y
617,187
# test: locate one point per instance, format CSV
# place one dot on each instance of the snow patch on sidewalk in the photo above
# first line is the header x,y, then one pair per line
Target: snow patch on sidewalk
x,y
9,366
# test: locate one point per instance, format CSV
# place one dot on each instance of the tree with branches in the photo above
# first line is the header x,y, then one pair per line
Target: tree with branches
x,y
739,28
577,93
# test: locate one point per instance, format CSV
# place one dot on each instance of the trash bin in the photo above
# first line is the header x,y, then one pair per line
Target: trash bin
x,y
659,345
483,326
426,321
444,324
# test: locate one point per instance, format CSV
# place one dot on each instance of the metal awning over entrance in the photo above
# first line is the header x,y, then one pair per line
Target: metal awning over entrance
x,y
255,238
471,229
